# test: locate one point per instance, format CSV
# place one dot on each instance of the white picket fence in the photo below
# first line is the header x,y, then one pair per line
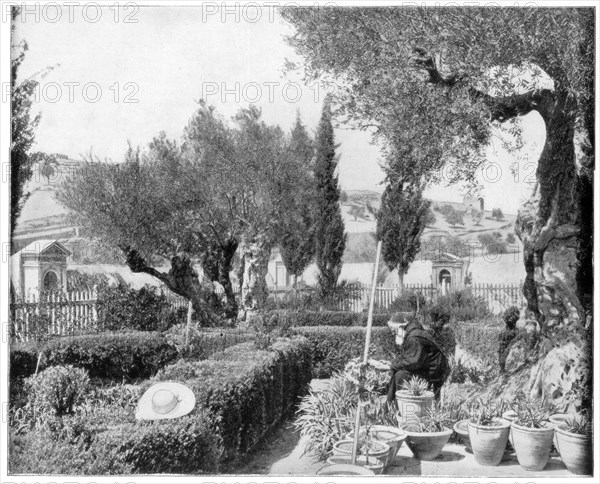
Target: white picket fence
x,y
68,313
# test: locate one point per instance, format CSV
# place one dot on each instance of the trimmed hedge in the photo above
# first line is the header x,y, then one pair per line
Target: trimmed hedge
x,y
247,390
287,318
241,393
333,346
136,354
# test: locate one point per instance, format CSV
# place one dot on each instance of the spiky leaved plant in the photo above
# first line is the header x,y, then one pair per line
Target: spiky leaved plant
x,y
415,386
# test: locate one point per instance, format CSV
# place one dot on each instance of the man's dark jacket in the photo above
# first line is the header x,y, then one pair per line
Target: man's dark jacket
x,y
420,356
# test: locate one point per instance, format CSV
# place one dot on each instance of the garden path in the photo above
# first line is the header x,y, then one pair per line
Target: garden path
x,y
282,456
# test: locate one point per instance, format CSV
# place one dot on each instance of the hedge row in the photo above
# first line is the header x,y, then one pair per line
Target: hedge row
x,y
333,346
136,354
287,318
240,394
246,389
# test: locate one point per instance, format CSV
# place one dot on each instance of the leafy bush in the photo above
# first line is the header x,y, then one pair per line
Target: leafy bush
x,y
55,391
108,355
464,306
333,346
511,316
408,300
121,307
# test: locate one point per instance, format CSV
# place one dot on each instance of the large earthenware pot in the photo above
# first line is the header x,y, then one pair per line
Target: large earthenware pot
x,y
575,451
489,441
412,406
532,445
426,445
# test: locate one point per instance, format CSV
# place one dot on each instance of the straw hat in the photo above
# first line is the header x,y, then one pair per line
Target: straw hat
x,y
165,400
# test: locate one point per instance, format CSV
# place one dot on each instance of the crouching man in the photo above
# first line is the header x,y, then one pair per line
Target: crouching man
x,y
419,356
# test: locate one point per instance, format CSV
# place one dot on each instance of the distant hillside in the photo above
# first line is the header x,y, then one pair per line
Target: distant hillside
x,y
360,224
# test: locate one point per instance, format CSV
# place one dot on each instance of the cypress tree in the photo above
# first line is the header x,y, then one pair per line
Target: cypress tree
x,y
330,236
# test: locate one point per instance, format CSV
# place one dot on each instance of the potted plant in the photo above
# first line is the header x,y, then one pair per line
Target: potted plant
x,y
532,436
488,433
574,444
414,399
427,437
391,436
382,427
371,449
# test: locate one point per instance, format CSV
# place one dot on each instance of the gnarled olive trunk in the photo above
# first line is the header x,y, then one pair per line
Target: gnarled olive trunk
x,y
556,228
255,251
217,264
553,225
182,279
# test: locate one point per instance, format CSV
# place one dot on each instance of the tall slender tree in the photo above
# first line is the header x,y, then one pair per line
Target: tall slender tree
x,y
296,228
401,221
330,236
23,126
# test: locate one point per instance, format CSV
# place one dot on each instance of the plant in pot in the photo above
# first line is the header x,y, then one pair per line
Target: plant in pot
x,y
574,444
488,433
414,399
371,454
532,436
382,427
426,437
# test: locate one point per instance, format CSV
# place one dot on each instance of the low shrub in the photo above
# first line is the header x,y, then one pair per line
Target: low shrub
x,y
408,301
123,308
460,306
333,346
55,391
106,355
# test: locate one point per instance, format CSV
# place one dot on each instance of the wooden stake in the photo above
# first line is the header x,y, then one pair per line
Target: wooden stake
x,y
189,323
366,353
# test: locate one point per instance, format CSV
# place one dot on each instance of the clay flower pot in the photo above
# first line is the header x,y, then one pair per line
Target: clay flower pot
x,y
426,445
575,451
413,407
489,441
377,450
374,465
532,445
462,430
391,436
344,470
556,420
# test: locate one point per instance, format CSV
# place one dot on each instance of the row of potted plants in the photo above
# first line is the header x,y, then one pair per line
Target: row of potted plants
x,y
489,427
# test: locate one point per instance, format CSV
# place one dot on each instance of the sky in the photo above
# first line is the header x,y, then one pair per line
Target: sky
x,y
123,75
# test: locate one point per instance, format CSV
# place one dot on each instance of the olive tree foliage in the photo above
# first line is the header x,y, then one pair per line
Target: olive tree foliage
x,y
130,206
444,80
194,202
